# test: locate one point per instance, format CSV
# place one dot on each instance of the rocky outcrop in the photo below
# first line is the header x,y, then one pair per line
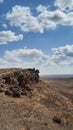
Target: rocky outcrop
x,y
18,82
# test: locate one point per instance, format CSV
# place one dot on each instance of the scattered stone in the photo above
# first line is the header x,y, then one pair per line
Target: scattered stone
x,y
57,120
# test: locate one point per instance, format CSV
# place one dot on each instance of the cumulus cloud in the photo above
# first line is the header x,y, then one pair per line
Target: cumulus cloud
x,y
45,19
22,17
4,25
66,50
9,36
59,61
63,55
64,5
25,58
51,19
19,54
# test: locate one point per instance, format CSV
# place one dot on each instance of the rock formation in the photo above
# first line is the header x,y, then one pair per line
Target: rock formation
x,y
18,82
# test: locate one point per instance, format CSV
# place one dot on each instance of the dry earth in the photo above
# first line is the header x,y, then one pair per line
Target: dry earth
x,y
46,105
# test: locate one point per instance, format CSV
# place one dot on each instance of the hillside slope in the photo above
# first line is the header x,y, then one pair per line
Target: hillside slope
x,y
28,103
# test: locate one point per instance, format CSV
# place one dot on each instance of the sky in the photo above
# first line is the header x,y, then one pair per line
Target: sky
x,y
37,34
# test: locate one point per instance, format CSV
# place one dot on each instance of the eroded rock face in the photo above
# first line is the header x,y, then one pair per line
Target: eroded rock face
x,y
18,82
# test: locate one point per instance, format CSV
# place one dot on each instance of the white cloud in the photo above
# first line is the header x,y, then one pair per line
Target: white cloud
x,y
41,8
60,61
9,36
51,19
19,54
64,5
25,58
4,25
46,19
1,1
63,55
22,17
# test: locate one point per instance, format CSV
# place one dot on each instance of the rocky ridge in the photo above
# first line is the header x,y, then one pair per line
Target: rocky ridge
x,y
18,82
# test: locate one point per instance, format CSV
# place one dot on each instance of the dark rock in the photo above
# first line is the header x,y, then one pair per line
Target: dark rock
x,y
16,74
37,71
11,88
46,123
1,89
21,80
7,79
16,92
8,92
28,87
24,93
2,85
57,120
37,78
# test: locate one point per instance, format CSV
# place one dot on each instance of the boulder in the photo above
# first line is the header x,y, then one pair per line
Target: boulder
x,y
23,92
15,91
16,94
14,81
57,120
8,92
21,80
7,79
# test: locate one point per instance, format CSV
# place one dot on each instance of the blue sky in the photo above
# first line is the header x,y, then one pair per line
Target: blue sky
x,y
37,34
